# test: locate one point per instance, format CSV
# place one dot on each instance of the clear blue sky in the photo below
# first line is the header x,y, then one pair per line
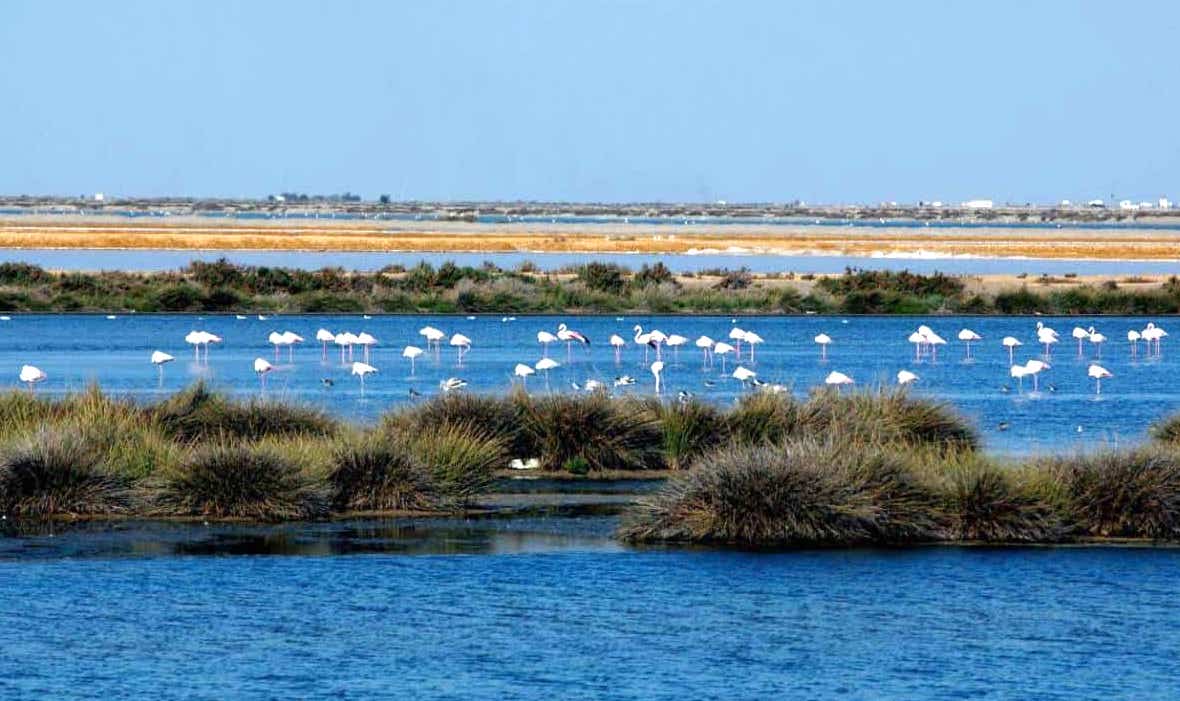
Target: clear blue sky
x,y
617,101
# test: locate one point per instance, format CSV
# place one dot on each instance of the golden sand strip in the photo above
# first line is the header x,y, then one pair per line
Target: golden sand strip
x,y
198,234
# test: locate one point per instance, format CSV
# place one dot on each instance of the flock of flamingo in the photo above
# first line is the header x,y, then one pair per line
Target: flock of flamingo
x,y
656,343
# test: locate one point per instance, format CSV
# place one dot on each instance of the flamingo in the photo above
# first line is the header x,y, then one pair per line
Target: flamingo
x,y
1153,333
413,353
656,369
365,341
918,340
743,375
706,345
432,335
31,375
1046,336
462,343
967,336
523,371
325,337
360,370
195,339
617,342
159,359
1097,339
208,339
643,339
837,378
545,365
737,336
674,342
721,348
1034,367
277,340
905,377
568,335
752,339
823,340
1011,343
1133,338
1080,335
545,338
933,340
1099,374
262,368
657,340
344,339
1018,372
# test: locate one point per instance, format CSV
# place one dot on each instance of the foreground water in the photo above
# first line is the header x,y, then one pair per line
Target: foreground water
x,y
552,608
75,350
160,260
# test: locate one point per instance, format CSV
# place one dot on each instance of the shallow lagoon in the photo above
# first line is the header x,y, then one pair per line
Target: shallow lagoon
x,y
537,609
79,349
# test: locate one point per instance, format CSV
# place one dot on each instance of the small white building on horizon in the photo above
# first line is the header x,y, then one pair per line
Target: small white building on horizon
x,y
1165,203
978,204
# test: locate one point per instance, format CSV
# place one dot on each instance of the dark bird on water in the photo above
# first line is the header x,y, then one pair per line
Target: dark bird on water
x,y
1003,426
414,394
327,381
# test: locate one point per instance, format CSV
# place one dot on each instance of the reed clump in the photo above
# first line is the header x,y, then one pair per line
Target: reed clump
x,y
606,434
51,472
1126,494
200,413
377,473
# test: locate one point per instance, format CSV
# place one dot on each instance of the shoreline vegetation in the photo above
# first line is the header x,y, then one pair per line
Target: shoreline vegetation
x,y
221,286
875,467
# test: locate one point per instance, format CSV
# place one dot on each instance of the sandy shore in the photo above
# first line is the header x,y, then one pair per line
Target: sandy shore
x,y
193,233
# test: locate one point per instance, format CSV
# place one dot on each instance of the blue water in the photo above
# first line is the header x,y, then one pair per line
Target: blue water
x,y
75,350
596,622
157,260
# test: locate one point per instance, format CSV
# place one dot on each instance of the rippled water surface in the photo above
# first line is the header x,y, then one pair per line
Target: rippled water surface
x,y
1066,413
588,619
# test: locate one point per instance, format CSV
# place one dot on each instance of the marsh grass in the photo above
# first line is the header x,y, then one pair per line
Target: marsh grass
x,y
461,460
52,472
607,434
1131,493
378,473
198,413
499,417
240,480
689,430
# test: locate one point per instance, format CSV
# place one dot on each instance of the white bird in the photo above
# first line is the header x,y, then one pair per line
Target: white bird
x,y
277,340
160,359
1133,338
674,341
523,371
752,339
31,375
722,348
1046,337
743,375
918,340
345,339
530,464
1099,374
545,338
657,339
432,335
643,339
545,365
1079,334
706,345
564,333
262,368
1097,339
968,336
360,370
1153,333
462,343
452,383
1011,343
365,341
823,340
1034,367
617,342
195,339
837,379
737,335
657,368
1018,372
905,377
932,340
624,381
325,337
413,353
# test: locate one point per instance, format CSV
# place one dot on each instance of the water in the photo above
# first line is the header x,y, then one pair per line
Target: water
x,y
522,618
158,260
76,350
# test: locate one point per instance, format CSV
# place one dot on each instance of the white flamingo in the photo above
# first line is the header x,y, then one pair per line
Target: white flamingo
x,y
674,342
545,365
570,336
1034,367
722,349
1079,334
160,359
360,370
1046,337
461,342
823,340
752,339
1097,339
545,338
918,340
412,353
1133,338
743,375
706,345
737,335
1018,372
643,339
31,375
325,337
1011,343
262,368
836,379
657,368
365,341
523,371
433,336
617,342
968,337
905,377
1099,374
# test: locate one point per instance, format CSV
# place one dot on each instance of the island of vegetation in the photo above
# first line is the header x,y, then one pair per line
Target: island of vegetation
x,y
832,470
220,286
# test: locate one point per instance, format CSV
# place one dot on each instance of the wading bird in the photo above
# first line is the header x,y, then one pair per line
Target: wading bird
x,y
905,377
657,368
617,342
365,341
360,370
968,337
262,368
462,343
545,338
1133,338
31,375
160,359
1097,339
523,371
1011,343
325,337
722,349
743,375
837,378
412,353
706,345
570,336
824,341
1034,367
1079,334
452,384
1099,374
752,339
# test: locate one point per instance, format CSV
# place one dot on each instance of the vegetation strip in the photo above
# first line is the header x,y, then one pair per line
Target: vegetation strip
x,y
592,288
833,470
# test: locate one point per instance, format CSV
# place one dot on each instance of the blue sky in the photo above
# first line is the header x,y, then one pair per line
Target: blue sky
x,y
611,101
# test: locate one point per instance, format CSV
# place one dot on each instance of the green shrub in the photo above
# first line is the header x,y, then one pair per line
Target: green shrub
x,y
462,460
986,503
375,473
240,481
595,428
52,472
689,429
197,412
1131,494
